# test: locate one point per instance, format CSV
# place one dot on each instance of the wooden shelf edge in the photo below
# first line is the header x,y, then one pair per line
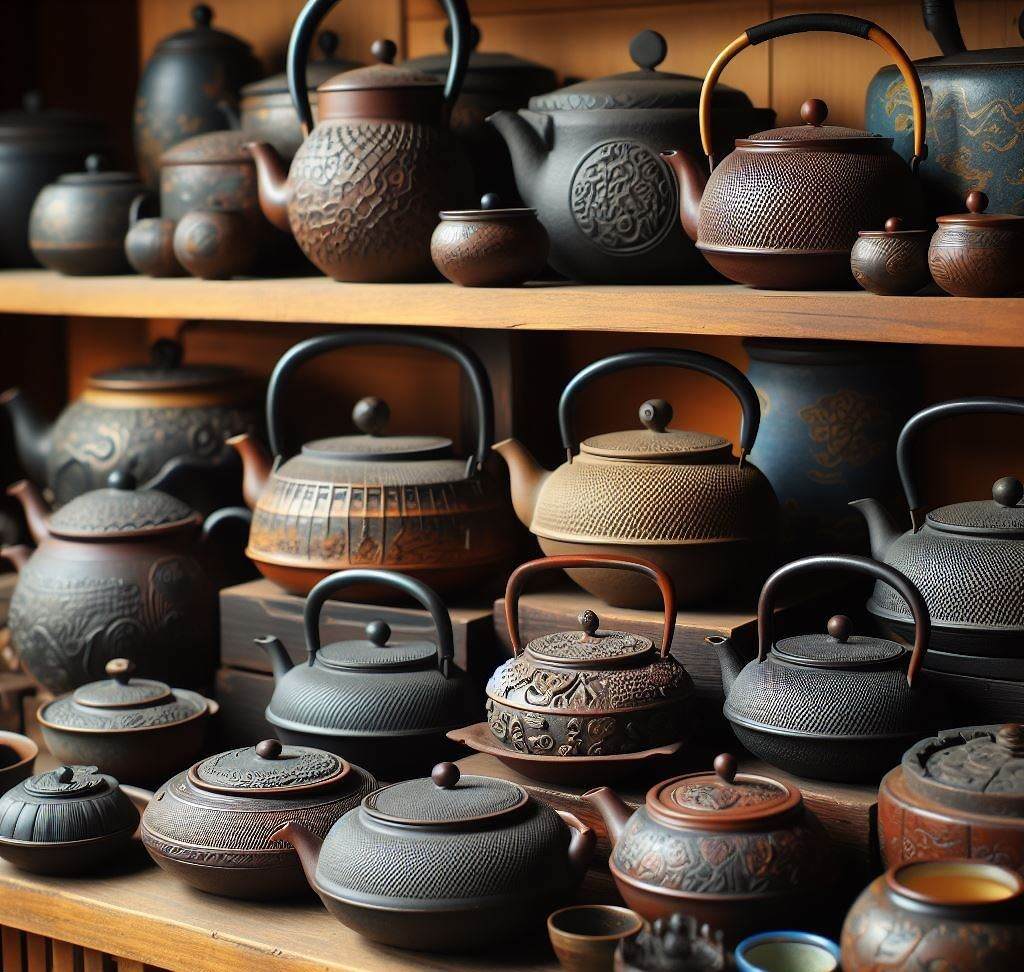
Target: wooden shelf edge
x,y
727,310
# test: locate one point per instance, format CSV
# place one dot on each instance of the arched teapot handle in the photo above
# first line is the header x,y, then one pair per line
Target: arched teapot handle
x,y
801,23
517,580
727,374
306,26
417,590
852,564
314,347
959,406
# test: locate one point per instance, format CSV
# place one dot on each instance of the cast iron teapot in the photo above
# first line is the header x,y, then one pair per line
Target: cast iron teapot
x,y
966,558
833,706
783,210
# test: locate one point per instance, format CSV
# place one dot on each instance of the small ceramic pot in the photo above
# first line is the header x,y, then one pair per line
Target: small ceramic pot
x,y
17,757
149,244
786,951
677,942
978,254
957,914
892,261
585,937
490,246
214,244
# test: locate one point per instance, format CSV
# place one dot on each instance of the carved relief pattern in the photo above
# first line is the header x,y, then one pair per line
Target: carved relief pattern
x,y
622,198
843,426
604,644
970,259
242,768
65,714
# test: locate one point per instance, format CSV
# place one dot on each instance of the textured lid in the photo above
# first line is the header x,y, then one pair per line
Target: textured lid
x,y
589,646
839,648
36,123
202,35
97,174
120,510
66,781
1000,516
375,653
211,148
977,203
645,88
317,71
164,372
721,800
814,112
446,798
655,442
121,691
383,74
269,769
490,211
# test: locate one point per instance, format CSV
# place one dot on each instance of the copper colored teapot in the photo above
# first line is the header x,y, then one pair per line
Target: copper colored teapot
x,y
783,210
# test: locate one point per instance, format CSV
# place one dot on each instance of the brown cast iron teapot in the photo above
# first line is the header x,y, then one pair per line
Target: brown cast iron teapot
x,y
363,192
833,706
783,209
448,863
400,502
677,498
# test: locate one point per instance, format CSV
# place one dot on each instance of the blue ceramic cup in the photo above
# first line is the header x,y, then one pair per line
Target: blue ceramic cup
x,y
787,951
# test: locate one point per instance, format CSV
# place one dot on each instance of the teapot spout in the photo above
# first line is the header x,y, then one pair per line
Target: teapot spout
x,y
256,466
881,530
526,477
528,137
32,434
307,846
692,180
728,661
36,511
613,809
271,183
280,660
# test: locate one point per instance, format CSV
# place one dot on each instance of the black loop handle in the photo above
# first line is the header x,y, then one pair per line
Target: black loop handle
x,y
856,565
731,377
304,350
802,23
417,590
959,406
309,20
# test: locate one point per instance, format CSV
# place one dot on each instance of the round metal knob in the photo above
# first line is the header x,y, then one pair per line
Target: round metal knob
x,y
726,767
977,201
166,353
95,162
327,41
814,111
120,669
894,224
655,414
445,775
202,15
378,632
589,622
268,749
370,415
1008,491
120,479
64,774
648,49
490,200
384,51
840,627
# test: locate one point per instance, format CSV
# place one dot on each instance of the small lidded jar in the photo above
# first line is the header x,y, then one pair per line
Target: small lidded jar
x,y
892,261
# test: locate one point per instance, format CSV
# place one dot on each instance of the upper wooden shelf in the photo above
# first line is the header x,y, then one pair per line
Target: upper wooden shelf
x,y
683,309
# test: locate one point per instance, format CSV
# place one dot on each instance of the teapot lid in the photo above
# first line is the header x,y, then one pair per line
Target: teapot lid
x,y
838,648
202,35
644,88
655,442
1002,515
590,646
210,148
374,653
383,74
723,800
269,769
317,71
97,174
490,211
447,798
67,781
979,769
36,123
815,132
977,203
164,372
894,226
120,510
121,691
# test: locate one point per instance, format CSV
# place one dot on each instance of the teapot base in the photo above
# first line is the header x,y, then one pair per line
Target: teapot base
x,y
782,269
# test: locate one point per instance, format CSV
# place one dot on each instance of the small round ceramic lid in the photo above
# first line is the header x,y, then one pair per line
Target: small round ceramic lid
x,y
490,211
723,800
446,799
814,112
894,226
644,88
979,769
270,769
655,442
370,416
98,174
374,653
838,647
590,646
67,781
1001,516
165,371
202,35
317,71
383,74
977,202
36,123
210,148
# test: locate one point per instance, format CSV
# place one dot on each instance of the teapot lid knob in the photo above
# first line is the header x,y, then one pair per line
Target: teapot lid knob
x,y
370,415
814,111
327,41
726,767
95,162
490,200
894,224
64,774
977,201
202,15
648,49
1008,491
268,749
378,632
445,775
33,101
589,622
121,479
166,354
655,414
840,627
1011,736
120,670
384,50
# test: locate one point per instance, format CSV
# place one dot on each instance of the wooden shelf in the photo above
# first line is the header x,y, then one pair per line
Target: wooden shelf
x,y
693,309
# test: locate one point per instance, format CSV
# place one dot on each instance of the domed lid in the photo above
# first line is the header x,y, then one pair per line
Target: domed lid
x,y
1001,516
839,648
383,74
645,88
202,35
723,800
121,691
35,123
374,653
815,133
977,203
978,769
120,510
370,416
490,211
67,781
210,148
165,372
317,71
656,442
447,799
269,769
589,647
97,174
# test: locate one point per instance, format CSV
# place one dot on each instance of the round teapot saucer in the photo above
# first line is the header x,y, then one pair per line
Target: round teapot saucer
x,y
567,770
